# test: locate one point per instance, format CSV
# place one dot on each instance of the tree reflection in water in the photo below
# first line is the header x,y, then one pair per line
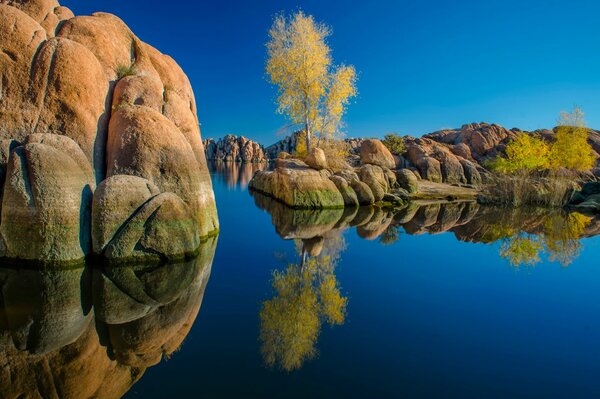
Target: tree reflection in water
x,y
524,234
558,235
307,294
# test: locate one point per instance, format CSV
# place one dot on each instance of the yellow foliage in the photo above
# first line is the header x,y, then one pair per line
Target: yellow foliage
x,y
524,153
290,322
571,149
336,153
561,236
312,92
520,250
301,150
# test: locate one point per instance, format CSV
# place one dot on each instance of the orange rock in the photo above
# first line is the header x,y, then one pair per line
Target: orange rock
x,y
127,107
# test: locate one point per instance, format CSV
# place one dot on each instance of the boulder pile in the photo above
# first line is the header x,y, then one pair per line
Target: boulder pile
x,y
310,184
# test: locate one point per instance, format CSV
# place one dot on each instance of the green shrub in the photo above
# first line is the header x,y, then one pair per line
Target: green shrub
x,y
395,143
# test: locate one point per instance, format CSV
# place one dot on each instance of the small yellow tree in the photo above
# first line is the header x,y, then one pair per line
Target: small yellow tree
x,y
312,92
523,154
571,149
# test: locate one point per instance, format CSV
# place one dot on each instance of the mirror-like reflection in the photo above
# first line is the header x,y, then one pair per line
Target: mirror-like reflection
x,y
524,234
307,295
92,331
235,174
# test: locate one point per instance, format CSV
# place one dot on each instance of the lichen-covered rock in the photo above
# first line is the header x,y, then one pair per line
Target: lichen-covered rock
x,y
350,198
363,192
91,81
452,170
472,174
374,177
298,186
47,198
161,229
430,169
373,152
316,159
115,200
390,175
407,180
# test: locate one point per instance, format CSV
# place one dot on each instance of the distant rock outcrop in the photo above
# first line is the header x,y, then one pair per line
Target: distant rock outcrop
x,y
234,149
85,103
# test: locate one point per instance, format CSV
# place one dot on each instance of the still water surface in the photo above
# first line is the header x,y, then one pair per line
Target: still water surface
x,y
428,301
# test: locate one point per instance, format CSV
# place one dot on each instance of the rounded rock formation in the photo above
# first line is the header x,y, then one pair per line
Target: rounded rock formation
x,y
62,132
316,159
373,152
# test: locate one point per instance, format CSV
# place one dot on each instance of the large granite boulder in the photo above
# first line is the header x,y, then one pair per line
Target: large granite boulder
x,y
374,177
407,180
349,195
47,200
83,99
373,152
316,159
298,186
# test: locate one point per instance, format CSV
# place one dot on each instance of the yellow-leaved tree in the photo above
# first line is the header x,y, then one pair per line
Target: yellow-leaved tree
x,y
313,92
571,149
523,154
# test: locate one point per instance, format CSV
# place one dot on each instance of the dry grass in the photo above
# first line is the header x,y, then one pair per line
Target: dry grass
x,y
528,189
336,152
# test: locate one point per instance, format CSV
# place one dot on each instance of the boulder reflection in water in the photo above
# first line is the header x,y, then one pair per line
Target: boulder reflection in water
x,y
92,331
523,233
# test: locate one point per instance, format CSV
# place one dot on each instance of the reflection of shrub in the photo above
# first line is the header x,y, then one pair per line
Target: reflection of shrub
x,y
561,236
523,239
521,250
395,143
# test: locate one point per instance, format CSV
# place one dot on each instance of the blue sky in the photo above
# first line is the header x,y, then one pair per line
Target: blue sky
x,y
423,65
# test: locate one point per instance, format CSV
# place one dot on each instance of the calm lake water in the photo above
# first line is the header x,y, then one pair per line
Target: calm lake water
x,y
429,301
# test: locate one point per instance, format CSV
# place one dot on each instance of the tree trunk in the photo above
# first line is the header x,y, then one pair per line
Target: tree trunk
x,y
304,254
308,143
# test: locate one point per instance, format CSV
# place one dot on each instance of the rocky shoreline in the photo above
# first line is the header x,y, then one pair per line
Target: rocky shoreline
x,y
444,165
310,184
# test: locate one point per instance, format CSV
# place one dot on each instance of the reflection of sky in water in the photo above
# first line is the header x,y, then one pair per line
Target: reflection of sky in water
x,y
428,315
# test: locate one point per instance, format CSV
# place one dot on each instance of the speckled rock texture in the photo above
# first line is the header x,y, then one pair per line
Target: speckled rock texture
x,y
93,121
